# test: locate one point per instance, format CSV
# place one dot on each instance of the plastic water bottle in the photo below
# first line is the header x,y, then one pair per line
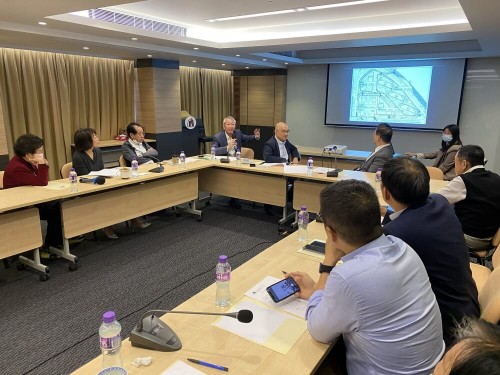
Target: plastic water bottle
x,y
135,168
222,278
182,159
310,166
212,153
73,181
110,340
378,175
238,158
302,220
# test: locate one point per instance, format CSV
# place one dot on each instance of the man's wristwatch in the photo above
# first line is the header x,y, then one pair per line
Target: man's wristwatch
x,y
323,268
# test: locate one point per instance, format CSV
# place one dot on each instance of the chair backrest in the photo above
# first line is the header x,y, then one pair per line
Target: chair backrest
x,y
495,258
1,179
64,172
489,298
121,161
435,173
247,153
480,274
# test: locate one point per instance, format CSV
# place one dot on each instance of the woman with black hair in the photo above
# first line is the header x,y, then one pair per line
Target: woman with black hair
x,y
445,156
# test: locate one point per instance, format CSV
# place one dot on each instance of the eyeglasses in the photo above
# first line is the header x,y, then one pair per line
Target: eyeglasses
x,y
285,131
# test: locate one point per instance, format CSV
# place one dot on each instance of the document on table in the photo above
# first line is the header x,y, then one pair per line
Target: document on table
x,y
53,185
271,164
272,328
181,368
295,169
106,172
292,305
321,170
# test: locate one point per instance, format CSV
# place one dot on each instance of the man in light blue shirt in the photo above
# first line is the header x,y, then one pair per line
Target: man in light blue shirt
x,y
379,299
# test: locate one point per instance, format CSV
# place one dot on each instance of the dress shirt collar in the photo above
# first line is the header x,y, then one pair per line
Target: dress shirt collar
x,y
395,215
377,149
474,168
133,142
376,243
279,142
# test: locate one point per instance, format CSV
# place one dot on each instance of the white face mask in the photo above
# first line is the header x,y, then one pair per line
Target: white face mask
x,y
447,138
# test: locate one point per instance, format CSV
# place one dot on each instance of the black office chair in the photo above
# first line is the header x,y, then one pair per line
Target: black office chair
x,y
202,137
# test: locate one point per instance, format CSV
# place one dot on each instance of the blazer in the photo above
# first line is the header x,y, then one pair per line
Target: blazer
x,y
272,151
445,160
129,153
220,141
377,160
435,234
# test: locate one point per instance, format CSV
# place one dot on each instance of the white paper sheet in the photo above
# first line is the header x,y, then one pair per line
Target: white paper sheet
x,y
106,172
321,170
271,164
181,368
292,305
295,169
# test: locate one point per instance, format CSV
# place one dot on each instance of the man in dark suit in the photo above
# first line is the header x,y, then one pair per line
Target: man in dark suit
x,y
278,149
383,149
228,141
428,224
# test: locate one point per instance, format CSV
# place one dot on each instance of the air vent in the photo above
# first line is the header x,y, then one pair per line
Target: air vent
x,y
285,53
136,22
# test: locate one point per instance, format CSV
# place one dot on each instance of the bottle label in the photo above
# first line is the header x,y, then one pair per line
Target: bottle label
x,y
225,276
110,342
302,219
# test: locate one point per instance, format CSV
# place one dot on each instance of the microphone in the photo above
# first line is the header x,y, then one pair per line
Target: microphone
x,y
98,180
152,333
160,168
334,149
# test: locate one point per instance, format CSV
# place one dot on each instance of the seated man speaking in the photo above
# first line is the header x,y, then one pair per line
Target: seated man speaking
x,y
278,149
428,224
379,299
228,141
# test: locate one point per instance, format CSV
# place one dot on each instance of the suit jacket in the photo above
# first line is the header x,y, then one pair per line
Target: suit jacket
x,y
435,233
377,160
445,160
220,141
129,153
272,151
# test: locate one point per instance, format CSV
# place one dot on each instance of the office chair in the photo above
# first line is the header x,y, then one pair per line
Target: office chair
x,y
121,161
485,256
435,173
203,139
247,153
489,298
480,274
65,169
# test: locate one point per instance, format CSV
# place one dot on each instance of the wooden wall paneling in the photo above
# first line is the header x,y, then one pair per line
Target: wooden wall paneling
x,y
167,93
243,89
146,110
279,99
260,100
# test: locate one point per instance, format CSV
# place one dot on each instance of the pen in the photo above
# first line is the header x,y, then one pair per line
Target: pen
x,y
284,272
207,364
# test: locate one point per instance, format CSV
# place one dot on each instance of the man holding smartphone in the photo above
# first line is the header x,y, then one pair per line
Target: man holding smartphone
x,y
379,299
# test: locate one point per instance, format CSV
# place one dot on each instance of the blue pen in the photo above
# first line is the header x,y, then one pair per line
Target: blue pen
x,y
207,364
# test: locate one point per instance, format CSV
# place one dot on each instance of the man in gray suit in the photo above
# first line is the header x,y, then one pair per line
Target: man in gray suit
x,y
383,149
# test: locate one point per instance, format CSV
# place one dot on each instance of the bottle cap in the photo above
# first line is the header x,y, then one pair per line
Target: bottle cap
x,y
222,258
303,208
72,169
108,317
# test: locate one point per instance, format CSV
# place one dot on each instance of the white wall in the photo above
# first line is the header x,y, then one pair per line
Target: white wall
x,y
479,118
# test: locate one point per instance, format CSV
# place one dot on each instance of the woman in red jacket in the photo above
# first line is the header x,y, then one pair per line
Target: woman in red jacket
x,y
30,168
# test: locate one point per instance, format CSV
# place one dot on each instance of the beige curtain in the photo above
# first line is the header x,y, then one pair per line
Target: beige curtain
x,y
51,95
191,98
207,94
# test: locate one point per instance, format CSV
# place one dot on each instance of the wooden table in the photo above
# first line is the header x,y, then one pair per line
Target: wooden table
x,y
350,160
203,341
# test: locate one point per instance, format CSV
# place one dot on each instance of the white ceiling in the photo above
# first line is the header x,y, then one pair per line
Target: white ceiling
x,y
390,29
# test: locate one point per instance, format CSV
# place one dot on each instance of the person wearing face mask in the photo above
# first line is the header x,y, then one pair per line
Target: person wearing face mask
x,y
444,158
30,168
135,147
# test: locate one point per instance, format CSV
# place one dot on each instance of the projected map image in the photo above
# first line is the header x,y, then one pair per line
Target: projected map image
x,y
398,95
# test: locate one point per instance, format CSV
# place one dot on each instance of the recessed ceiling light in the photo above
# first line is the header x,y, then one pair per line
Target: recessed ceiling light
x,y
253,15
194,61
301,9
134,38
196,48
237,55
286,63
150,56
247,67
346,4
264,59
86,48
223,64
41,23
210,20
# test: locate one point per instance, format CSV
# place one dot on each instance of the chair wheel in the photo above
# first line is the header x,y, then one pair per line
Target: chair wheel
x,y
44,277
199,218
73,267
21,266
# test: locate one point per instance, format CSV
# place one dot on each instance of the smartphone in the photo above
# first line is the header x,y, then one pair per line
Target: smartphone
x,y
316,246
282,289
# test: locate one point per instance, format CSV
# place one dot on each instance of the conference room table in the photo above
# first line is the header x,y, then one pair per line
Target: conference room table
x,y
97,206
202,340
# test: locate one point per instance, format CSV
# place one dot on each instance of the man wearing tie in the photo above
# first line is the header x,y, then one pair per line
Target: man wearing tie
x,y
278,149
228,141
383,149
